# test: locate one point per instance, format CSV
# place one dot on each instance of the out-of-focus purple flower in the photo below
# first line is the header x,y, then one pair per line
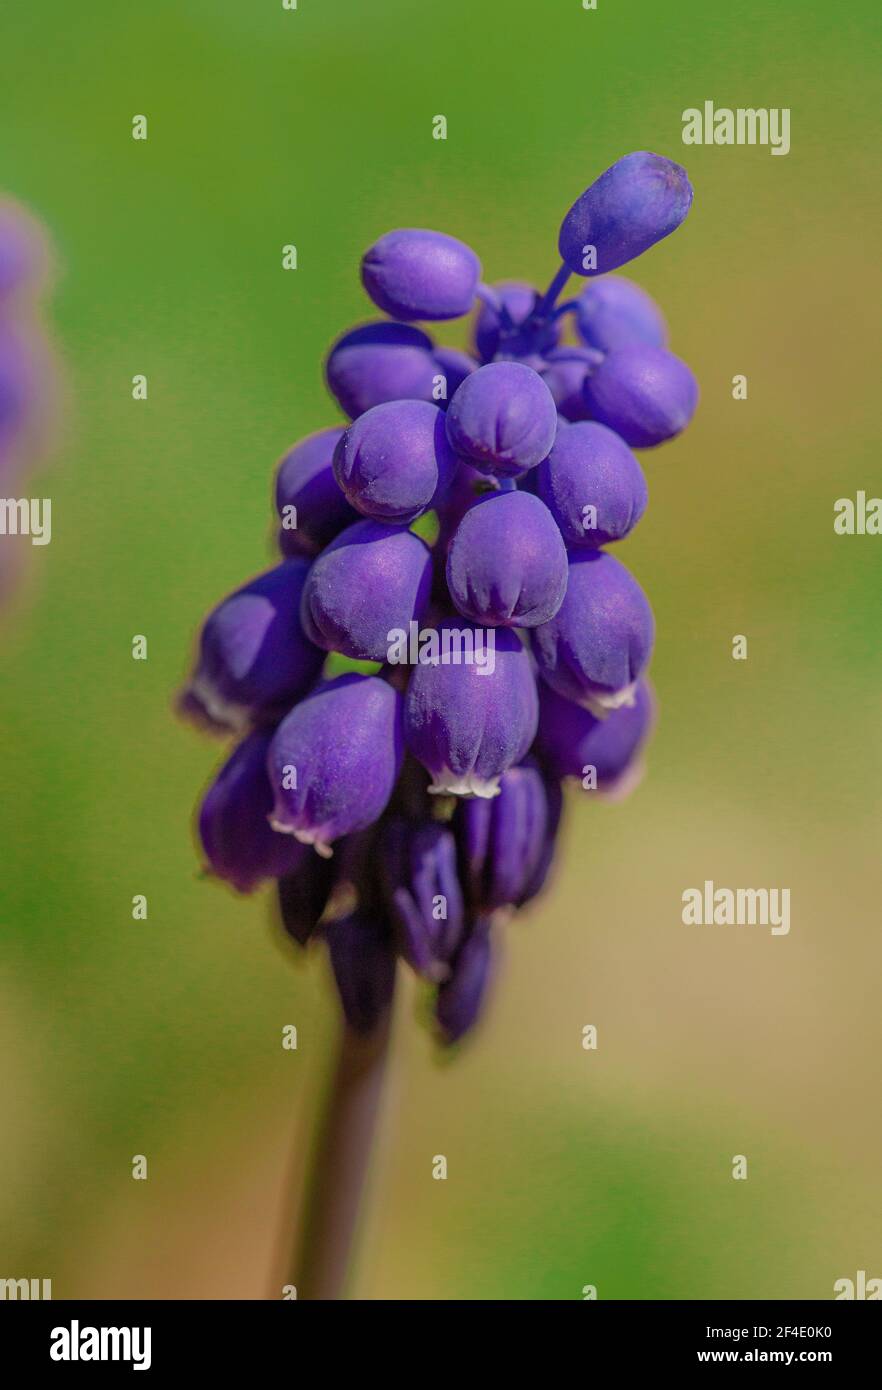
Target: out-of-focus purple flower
x,y
394,460
502,419
419,871
592,485
598,644
380,362
363,960
502,841
23,253
572,740
307,492
507,564
254,659
639,200
468,722
334,760
371,581
460,997
613,312
414,273
645,394
239,843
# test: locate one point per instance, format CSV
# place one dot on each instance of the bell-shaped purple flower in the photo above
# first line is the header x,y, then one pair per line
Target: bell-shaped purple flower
x,y
418,274
254,659
423,893
574,743
394,459
467,720
502,841
502,419
334,760
368,585
311,507
363,960
565,372
238,840
639,200
614,312
381,362
592,485
598,644
460,998
507,564
645,394
510,329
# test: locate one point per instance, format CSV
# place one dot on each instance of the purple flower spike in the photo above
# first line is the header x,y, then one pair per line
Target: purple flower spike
x,y
592,485
614,312
254,658
363,961
239,843
394,459
417,274
572,741
307,493
507,564
502,419
645,394
565,375
599,643
504,840
460,998
381,362
468,722
369,583
334,760
498,331
639,200
423,891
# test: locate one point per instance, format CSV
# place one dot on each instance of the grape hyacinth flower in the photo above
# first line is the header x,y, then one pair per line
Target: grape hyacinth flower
x,y
451,530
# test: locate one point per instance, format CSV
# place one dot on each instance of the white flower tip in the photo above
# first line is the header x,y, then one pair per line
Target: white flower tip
x,y
448,783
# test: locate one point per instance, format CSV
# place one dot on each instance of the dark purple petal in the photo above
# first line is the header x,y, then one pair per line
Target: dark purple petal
x,y
363,961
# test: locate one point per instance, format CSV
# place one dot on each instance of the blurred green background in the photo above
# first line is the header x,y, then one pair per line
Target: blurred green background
x,y
162,1037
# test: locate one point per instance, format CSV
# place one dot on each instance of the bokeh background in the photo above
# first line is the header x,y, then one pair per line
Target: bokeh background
x,y
162,1037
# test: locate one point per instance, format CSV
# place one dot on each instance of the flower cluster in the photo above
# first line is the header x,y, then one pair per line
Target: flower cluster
x,y
25,374
453,534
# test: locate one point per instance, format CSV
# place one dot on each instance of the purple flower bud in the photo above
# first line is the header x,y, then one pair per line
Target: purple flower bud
x,y
614,312
503,840
460,998
305,483
363,961
304,894
539,877
254,659
468,722
596,647
334,760
572,741
423,892
509,330
380,362
507,564
565,373
592,485
635,203
454,366
417,274
394,459
369,582
502,419
236,835
645,394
